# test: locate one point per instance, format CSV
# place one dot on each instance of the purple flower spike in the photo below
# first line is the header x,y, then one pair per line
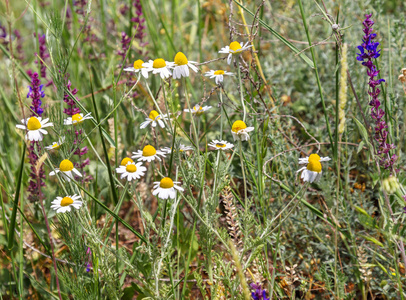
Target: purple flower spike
x,y
368,51
259,293
36,92
125,44
43,54
78,140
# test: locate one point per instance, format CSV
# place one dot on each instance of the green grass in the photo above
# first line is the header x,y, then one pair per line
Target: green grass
x,y
340,238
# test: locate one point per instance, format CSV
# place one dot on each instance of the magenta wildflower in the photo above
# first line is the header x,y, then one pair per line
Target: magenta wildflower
x,y
139,21
125,44
80,6
89,259
35,92
3,35
259,293
43,54
19,48
369,51
78,140
72,108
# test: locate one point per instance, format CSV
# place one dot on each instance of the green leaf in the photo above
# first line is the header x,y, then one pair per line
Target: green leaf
x,y
278,36
364,133
360,146
371,239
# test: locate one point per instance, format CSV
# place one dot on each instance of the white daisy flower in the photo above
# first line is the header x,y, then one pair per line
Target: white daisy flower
x,y
240,131
218,74
77,119
62,205
125,161
159,66
220,145
182,148
235,48
182,65
137,67
153,119
197,109
166,188
149,153
56,145
67,169
34,127
131,170
312,172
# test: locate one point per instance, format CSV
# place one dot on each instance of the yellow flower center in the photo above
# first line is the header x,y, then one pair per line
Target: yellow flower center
x,y
138,64
220,145
159,63
148,151
56,146
33,124
66,165
180,59
153,114
235,46
219,72
66,201
77,119
197,108
166,183
314,157
314,166
131,168
238,125
125,161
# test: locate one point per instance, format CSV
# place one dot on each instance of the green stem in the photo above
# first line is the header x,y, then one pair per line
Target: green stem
x,y
240,84
221,115
316,73
243,175
15,205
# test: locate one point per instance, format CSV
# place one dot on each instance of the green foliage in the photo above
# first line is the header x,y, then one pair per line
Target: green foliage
x,y
340,237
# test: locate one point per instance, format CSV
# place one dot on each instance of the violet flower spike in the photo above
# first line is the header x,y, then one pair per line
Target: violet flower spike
x,y
43,54
259,293
368,51
35,92
78,139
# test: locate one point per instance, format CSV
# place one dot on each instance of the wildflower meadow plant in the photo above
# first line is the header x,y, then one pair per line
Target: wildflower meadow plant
x,y
368,53
200,150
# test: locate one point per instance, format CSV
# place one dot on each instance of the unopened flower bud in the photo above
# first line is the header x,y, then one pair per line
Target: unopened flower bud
x,y
390,184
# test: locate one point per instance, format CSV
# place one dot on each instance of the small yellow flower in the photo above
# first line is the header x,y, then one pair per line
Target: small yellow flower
x,y
218,75
159,66
131,170
239,130
313,171
148,153
56,145
62,205
138,68
182,65
77,119
235,48
34,127
67,170
154,118
166,188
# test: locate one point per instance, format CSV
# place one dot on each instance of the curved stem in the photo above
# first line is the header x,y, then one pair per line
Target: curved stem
x,y
243,174
240,84
50,236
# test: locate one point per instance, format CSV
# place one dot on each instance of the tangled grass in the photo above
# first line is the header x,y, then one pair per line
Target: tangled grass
x,y
202,149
